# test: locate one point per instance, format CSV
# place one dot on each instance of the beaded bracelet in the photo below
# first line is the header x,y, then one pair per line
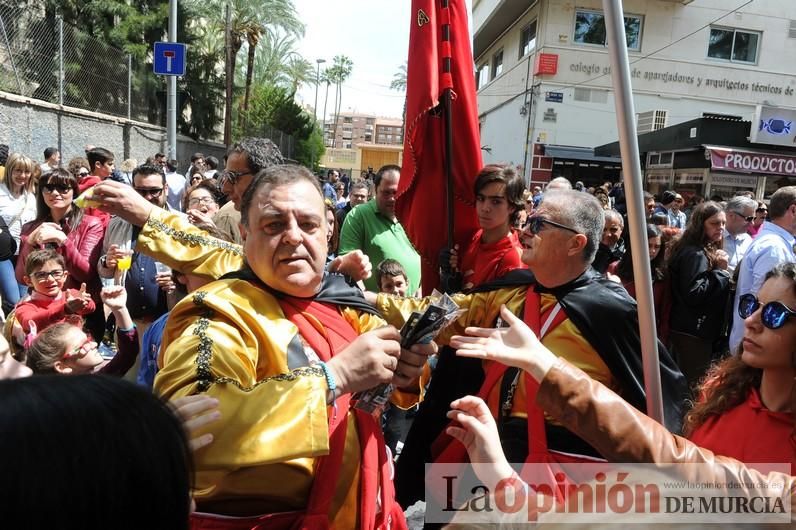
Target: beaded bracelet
x,y
330,382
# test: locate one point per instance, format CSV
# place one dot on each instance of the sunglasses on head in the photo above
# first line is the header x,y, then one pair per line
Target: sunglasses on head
x,y
535,223
773,316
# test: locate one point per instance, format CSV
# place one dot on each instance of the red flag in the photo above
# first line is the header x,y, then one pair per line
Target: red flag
x,y
422,188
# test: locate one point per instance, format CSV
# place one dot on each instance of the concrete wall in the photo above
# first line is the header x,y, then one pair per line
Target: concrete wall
x,y
30,126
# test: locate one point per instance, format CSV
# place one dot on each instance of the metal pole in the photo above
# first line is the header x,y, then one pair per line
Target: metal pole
x,y
317,82
129,86
631,166
60,60
171,96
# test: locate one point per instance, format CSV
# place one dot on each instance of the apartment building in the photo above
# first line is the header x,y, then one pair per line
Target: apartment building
x,y
545,94
354,129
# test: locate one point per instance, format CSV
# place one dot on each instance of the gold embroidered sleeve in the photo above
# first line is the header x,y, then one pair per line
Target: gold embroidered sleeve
x,y
171,239
269,413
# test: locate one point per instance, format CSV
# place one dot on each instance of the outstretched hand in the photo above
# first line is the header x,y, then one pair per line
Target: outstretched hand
x,y
355,264
478,433
515,345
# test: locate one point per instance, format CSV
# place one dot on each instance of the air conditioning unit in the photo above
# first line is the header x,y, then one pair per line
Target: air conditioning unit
x,y
652,120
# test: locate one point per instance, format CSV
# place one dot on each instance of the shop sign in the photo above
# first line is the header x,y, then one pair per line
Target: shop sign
x,y
690,178
773,125
546,64
658,178
734,180
747,162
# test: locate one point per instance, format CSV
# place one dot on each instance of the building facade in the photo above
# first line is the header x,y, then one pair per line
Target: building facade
x,y
545,94
354,129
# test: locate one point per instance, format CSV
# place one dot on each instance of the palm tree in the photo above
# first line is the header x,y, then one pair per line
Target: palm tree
x,y
399,79
343,66
300,72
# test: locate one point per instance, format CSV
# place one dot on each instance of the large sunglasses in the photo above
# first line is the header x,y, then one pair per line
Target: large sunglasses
x,y
774,315
748,219
535,223
63,189
232,177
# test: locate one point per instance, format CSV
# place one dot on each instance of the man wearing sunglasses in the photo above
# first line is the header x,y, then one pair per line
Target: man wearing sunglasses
x,y
740,214
774,244
242,162
580,315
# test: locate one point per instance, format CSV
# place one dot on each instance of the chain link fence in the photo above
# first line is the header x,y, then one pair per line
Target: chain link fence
x,y
44,58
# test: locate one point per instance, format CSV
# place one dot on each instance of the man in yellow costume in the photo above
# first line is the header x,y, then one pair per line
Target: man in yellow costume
x,y
577,313
282,345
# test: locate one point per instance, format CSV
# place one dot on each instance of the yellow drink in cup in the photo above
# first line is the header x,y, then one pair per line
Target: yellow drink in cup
x,y
124,264
86,200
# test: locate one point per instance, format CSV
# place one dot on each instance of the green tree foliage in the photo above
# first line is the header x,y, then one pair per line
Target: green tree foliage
x,y
310,150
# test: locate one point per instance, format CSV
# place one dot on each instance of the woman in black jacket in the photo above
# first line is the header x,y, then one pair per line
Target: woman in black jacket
x,y
700,286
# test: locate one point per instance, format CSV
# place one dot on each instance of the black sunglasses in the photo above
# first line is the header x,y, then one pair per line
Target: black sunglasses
x,y
774,315
60,188
232,177
535,222
151,192
748,219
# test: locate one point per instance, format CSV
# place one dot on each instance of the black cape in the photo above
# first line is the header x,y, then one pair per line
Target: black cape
x,y
608,319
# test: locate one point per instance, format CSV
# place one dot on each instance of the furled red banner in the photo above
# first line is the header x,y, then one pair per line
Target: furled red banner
x,y
421,193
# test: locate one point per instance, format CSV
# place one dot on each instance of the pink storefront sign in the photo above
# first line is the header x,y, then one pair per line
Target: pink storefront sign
x,y
752,162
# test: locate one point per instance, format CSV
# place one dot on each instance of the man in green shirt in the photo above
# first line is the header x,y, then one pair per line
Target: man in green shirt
x,y
373,228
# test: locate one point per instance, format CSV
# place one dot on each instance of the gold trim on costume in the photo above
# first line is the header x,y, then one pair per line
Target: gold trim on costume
x,y
205,354
194,239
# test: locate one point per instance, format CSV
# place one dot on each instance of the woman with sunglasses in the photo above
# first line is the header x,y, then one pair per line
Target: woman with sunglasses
x,y
61,225
761,215
17,207
700,287
745,406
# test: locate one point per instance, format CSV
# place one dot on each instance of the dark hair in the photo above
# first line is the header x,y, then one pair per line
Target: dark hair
x,y
389,267
76,164
782,199
660,219
172,164
624,268
514,186
58,177
107,448
145,170
98,154
360,184
381,172
159,155
694,234
334,239
212,162
205,184
3,153
727,383
38,258
50,151
278,175
197,156
648,196
259,153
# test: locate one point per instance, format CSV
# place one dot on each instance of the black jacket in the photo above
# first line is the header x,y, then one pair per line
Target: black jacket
x,y
699,294
608,319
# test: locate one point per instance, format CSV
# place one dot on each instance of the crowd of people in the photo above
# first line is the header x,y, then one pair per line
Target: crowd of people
x,y
260,299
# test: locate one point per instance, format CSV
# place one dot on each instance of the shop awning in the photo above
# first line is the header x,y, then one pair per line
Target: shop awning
x,y
724,158
578,153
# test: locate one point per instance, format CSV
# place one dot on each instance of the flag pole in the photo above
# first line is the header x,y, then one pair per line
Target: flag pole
x,y
631,166
446,105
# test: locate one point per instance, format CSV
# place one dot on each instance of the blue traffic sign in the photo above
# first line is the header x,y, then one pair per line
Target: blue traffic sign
x,y
169,58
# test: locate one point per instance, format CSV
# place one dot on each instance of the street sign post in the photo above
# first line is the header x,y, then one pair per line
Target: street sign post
x,y
169,58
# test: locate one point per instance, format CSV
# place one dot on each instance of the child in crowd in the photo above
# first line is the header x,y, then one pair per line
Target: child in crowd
x,y
64,348
45,272
391,277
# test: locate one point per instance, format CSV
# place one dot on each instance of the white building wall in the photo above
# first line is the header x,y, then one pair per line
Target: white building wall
x,y
670,72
